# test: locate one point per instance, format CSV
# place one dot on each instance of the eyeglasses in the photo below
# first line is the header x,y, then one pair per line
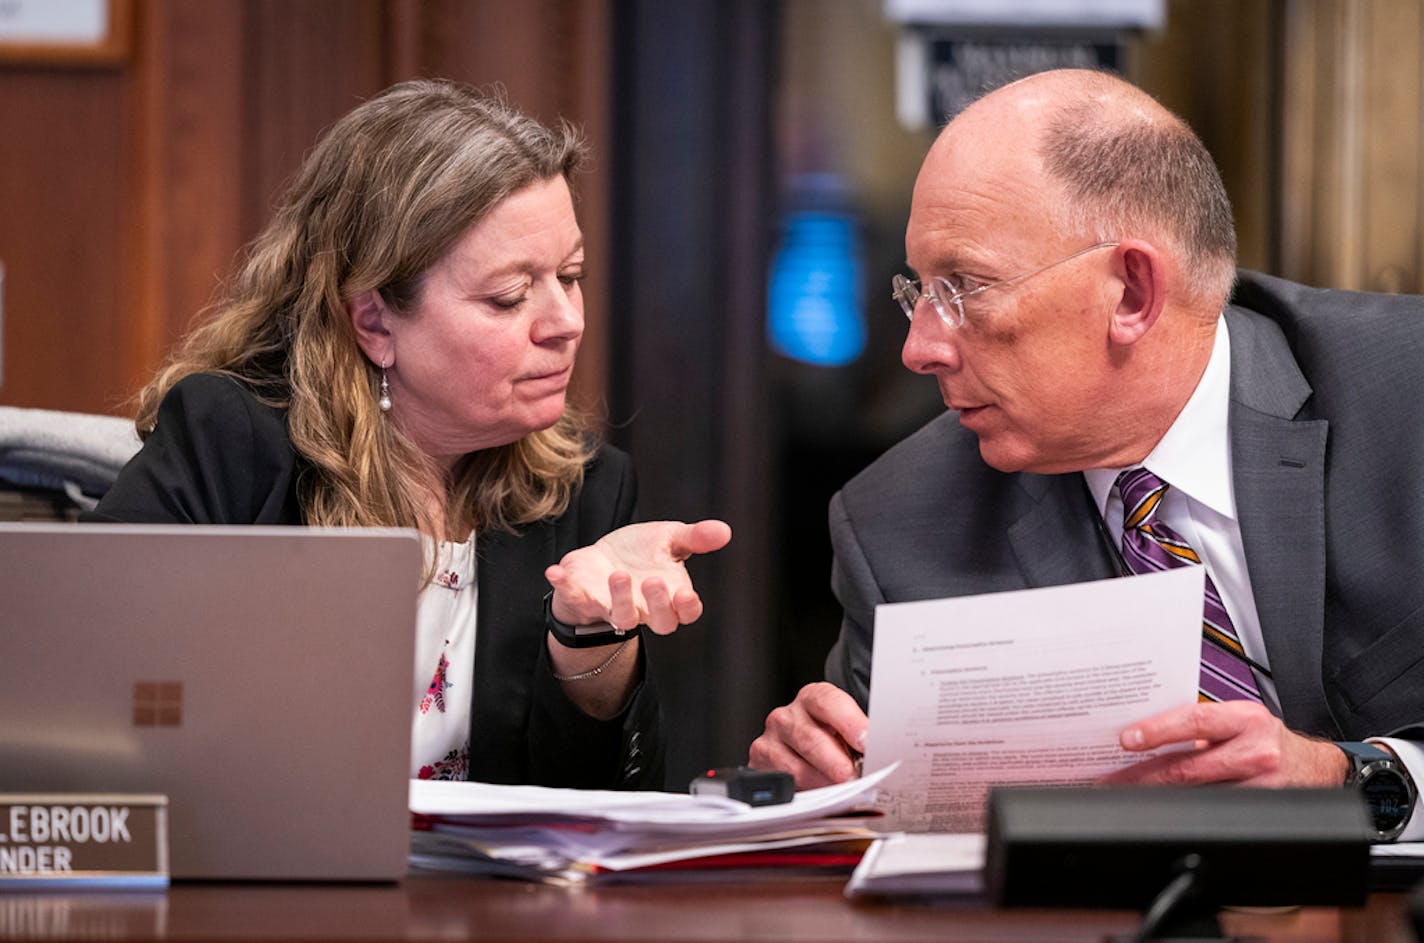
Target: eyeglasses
x,y
948,300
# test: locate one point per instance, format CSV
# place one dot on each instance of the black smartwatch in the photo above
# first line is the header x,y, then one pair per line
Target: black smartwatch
x,y
583,636
1385,785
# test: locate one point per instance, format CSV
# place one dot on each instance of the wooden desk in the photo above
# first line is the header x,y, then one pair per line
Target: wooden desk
x,y
447,908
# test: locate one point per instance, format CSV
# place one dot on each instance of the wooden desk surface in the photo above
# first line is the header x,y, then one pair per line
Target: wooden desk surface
x,y
452,908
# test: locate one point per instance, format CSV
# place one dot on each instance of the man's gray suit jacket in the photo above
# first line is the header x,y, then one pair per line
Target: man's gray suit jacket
x,y
1327,443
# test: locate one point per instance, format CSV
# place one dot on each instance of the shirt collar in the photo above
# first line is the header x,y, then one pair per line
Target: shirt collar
x,y
1195,454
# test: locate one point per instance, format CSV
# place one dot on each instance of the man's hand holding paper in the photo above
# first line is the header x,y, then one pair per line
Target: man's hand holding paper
x,y
1029,687
1100,685
819,738
1233,742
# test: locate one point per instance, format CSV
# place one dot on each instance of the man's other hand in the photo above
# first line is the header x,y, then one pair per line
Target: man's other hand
x,y
1228,742
817,738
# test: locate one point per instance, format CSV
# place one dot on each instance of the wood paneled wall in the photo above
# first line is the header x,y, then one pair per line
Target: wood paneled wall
x,y
127,190
1352,169
64,218
1314,110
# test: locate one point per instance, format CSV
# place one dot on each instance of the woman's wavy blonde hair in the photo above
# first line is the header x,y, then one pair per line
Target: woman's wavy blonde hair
x,y
386,193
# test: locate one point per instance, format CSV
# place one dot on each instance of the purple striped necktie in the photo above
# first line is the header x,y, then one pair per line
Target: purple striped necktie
x,y
1148,546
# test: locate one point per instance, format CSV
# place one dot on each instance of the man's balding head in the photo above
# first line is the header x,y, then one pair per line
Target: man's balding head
x,y
1115,164
1082,232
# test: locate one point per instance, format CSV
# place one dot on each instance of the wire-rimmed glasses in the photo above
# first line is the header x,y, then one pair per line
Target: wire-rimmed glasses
x,y
948,300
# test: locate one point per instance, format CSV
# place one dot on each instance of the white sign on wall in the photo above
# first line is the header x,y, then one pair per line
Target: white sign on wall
x,y
48,22
92,32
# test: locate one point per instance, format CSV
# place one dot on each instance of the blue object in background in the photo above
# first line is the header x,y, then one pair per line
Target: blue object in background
x,y
814,304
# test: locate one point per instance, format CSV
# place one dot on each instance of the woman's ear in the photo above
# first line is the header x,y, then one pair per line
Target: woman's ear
x,y
1140,268
370,318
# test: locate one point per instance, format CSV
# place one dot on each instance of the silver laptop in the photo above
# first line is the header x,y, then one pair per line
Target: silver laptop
x,y
260,677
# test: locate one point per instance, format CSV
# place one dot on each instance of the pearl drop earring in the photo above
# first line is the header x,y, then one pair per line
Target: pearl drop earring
x,y
385,401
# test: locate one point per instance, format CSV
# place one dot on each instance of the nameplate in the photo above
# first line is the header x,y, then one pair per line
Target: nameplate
x,y
79,839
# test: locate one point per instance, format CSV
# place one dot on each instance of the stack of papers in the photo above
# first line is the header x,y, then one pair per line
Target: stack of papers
x,y
576,836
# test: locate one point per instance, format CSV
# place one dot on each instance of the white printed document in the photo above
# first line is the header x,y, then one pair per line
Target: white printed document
x,y
1029,687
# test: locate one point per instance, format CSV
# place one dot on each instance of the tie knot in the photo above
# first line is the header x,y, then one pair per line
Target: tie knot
x,y
1140,490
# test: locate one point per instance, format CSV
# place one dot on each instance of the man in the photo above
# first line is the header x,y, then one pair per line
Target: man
x,y
1074,253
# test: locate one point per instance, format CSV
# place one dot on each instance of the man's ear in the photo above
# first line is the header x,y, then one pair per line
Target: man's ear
x,y
370,318
1140,267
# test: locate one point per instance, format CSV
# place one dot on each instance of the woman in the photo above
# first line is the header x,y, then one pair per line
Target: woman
x,y
395,350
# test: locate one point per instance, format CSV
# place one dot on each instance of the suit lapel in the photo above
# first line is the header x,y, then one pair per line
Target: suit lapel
x,y
1057,539
1278,471
507,639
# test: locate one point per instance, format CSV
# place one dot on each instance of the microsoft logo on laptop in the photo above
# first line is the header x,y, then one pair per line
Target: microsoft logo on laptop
x,y
158,704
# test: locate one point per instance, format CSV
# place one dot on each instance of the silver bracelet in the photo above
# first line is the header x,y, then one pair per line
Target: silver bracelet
x,y
592,672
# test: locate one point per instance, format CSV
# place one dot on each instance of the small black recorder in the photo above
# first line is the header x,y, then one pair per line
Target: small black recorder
x,y
752,786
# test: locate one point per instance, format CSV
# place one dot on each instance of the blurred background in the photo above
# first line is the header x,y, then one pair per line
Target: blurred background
x,y
744,213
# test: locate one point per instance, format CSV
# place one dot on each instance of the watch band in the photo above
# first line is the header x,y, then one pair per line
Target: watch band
x,y
583,636
1361,754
